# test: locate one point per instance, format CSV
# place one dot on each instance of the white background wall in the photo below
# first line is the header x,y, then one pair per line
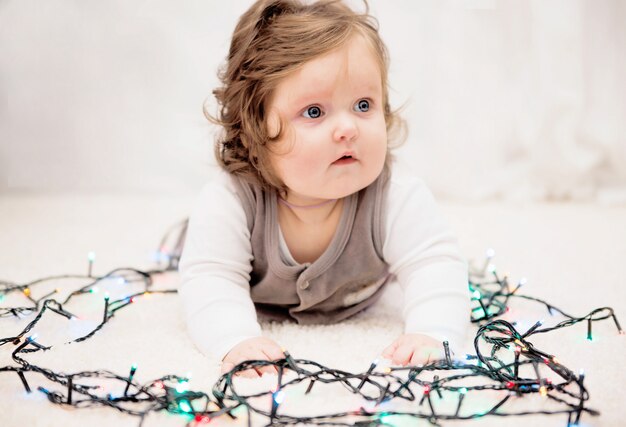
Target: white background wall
x,y
519,100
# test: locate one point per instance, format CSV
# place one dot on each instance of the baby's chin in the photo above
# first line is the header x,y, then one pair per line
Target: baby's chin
x,y
344,193
339,192
327,193
336,187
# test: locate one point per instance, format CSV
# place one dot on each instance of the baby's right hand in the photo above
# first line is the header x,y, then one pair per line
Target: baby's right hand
x,y
259,348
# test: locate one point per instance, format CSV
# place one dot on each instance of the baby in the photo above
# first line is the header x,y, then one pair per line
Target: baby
x,y
308,220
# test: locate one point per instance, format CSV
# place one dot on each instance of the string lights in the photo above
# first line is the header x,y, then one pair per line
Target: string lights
x,y
505,362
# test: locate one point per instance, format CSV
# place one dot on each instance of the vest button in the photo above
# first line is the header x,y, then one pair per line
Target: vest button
x,y
304,284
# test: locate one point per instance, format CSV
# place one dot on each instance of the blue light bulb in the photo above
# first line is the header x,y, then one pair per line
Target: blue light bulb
x,y
279,397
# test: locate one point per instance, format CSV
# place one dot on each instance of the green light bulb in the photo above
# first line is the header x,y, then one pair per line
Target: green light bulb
x,y
182,387
185,406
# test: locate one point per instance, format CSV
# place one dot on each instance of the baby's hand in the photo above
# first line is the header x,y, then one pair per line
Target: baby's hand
x,y
259,348
414,349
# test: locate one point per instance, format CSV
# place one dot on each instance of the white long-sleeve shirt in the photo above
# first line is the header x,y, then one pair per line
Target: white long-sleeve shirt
x,y
418,247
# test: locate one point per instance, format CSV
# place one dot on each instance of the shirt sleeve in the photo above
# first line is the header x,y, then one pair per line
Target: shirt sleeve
x,y
215,268
424,255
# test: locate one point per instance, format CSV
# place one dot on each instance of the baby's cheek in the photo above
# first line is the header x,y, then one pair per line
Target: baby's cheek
x,y
377,138
298,170
377,154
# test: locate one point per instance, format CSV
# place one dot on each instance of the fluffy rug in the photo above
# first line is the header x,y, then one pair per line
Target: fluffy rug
x,y
572,255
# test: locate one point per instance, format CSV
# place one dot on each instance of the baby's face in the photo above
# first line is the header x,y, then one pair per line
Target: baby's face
x,y
331,107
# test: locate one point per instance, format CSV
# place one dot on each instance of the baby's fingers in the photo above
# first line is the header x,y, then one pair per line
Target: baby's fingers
x,y
263,369
227,367
420,358
402,355
424,355
248,373
388,352
273,352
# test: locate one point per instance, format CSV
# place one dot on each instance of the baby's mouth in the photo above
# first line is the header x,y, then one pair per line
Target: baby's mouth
x,y
345,160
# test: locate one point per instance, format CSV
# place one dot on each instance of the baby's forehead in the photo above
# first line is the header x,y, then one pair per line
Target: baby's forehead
x,y
352,67
328,89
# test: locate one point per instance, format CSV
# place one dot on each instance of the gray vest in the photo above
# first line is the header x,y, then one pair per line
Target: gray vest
x,y
348,277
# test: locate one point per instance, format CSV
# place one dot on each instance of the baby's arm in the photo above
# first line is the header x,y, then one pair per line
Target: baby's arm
x,y
215,274
424,255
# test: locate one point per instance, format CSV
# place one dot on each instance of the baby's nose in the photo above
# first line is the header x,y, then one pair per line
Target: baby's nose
x,y
346,129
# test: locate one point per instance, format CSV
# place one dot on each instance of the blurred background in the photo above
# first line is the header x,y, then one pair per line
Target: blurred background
x,y
511,100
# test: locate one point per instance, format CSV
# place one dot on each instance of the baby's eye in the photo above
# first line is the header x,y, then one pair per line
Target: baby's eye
x,y
312,112
363,105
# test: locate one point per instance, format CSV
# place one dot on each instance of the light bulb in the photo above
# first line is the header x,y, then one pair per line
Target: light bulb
x,y
279,396
185,406
182,387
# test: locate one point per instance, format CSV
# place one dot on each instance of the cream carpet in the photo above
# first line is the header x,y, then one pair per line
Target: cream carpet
x,y
572,255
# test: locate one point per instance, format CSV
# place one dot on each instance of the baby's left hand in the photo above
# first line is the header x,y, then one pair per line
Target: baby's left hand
x,y
414,349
